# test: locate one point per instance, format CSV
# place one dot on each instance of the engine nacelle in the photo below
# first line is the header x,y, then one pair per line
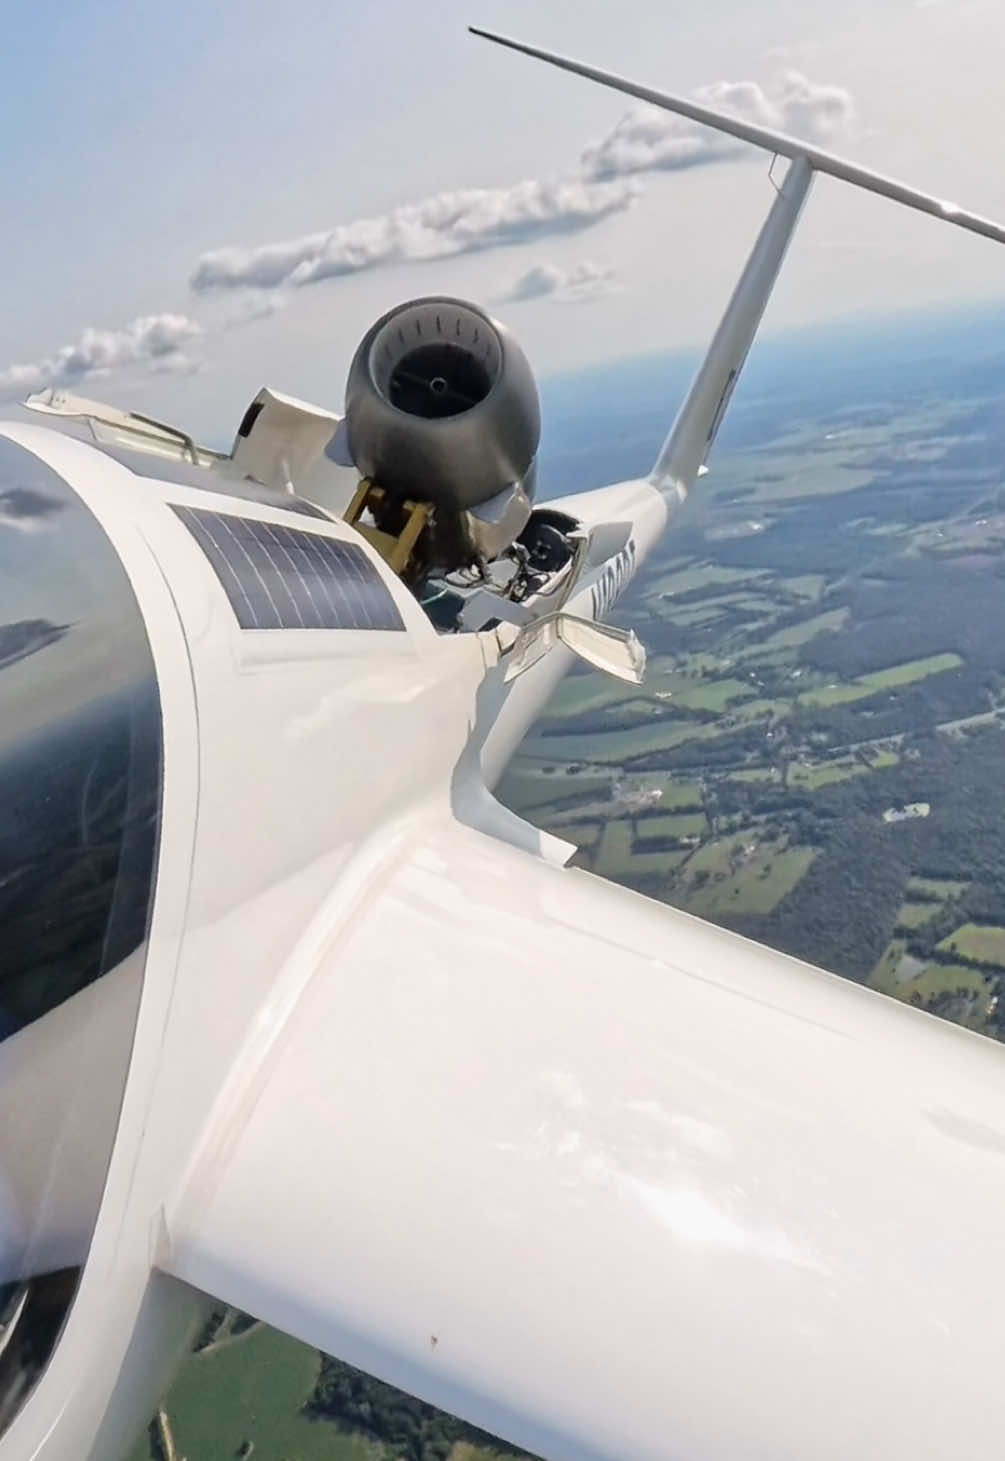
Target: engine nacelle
x,y
442,408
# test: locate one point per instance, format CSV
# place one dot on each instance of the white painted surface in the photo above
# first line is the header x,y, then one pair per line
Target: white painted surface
x,y
62,1416
291,758
61,1081
693,434
613,1182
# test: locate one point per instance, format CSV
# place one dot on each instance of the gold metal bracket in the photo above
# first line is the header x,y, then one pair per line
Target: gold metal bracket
x,y
395,549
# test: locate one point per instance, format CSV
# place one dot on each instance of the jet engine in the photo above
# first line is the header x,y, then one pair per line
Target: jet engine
x,y
442,420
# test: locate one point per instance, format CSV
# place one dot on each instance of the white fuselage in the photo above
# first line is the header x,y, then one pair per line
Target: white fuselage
x,y
295,763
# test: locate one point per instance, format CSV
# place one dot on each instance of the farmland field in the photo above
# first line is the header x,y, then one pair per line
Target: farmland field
x,y
979,943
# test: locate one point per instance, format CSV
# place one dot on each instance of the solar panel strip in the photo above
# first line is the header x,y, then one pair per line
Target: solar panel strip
x,y
306,609
236,549
307,562
224,570
278,577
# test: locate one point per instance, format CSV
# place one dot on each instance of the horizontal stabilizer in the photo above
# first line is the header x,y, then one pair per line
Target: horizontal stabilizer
x,y
772,141
686,450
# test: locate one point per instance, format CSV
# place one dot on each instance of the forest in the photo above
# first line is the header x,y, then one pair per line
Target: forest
x,y
414,1431
844,911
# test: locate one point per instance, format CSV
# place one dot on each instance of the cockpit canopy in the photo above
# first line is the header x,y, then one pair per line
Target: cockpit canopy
x,y
80,795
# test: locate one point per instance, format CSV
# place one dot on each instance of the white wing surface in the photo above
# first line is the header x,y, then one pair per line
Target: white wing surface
x,y
612,1183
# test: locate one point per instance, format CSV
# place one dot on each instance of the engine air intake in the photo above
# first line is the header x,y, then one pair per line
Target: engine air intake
x,y
442,410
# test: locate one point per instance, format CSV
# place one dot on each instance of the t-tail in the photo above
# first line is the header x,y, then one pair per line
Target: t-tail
x,y
686,450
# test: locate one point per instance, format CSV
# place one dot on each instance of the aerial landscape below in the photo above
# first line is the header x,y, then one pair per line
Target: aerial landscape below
x,y
815,757
814,760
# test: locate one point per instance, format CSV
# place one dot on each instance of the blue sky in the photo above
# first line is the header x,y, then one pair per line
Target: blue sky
x,y
139,139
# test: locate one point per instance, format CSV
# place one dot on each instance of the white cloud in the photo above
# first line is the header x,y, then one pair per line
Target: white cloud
x,y
475,219
259,279
438,227
581,282
154,341
647,139
256,304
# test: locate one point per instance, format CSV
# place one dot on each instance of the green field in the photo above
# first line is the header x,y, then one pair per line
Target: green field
x,y
899,975
665,688
631,794
978,943
832,469
738,601
888,679
712,695
947,978
721,855
914,915
615,747
765,881
676,795
798,634
703,613
906,674
685,580
756,773
756,710
883,760
884,976
682,825
617,857
825,773
253,1389
634,709
529,786
937,889
739,874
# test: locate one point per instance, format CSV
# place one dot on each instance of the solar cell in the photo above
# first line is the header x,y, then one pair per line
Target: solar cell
x,y
277,577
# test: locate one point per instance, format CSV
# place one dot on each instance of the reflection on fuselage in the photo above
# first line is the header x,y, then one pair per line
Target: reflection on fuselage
x,y
31,1316
80,790
25,637
77,838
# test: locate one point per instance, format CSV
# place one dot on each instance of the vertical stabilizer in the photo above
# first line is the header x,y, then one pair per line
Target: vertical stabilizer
x,y
693,432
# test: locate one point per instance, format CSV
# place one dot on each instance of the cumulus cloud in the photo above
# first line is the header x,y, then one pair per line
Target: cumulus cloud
x,y
260,279
581,282
157,342
438,227
647,139
475,219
